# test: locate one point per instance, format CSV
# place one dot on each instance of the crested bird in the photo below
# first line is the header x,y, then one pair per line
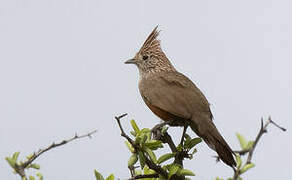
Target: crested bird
x,y
174,98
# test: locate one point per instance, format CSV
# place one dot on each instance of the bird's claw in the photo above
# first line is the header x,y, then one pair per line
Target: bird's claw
x,y
157,130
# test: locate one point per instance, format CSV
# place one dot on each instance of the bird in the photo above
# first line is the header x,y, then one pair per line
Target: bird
x,y
174,98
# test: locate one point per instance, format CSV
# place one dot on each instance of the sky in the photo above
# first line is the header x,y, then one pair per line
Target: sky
x,y
62,72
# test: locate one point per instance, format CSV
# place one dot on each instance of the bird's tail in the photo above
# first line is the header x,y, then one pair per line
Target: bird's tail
x,y
216,142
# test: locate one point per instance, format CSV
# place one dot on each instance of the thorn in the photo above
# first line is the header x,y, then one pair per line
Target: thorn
x,y
283,129
123,115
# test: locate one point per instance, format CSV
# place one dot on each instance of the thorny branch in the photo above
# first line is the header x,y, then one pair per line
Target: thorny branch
x,y
165,138
250,151
20,169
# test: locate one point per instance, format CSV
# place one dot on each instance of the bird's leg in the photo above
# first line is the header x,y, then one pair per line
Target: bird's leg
x,y
183,135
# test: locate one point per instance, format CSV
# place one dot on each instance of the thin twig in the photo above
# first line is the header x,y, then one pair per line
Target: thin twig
x,y
143,176
20,169
250,151
283,129
262,131
118,118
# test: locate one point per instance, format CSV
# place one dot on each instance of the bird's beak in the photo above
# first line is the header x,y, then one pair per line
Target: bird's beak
x,y
131,61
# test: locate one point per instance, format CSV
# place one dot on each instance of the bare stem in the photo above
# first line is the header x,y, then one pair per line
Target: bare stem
x,y
143,176
20,169
250,151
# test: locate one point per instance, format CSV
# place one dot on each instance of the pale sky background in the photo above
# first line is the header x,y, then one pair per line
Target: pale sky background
x,y
62,71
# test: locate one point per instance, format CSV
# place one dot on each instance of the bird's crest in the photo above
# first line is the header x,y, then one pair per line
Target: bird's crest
x,y
152,44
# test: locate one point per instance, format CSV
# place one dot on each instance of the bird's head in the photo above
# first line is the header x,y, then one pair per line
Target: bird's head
x,y
150,58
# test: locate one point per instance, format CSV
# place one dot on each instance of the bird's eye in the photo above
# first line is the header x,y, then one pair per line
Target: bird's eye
x,y
145,57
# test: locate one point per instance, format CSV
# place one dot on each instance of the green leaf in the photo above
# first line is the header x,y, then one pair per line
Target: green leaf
x,y
173,170
242,141
133,159
130,147
164,129
143,138
138,140
134,126
249,144
179,147
238,161
165,157
246,167
151,154
15,156
194,151
11,162
187,140
193,142
110,177
186,172
141,159
138,172
34,166
167,166
41,177
187,136
31,178
98,176
147,132
154,144
29,156
161,177
133,133
221,178
147,170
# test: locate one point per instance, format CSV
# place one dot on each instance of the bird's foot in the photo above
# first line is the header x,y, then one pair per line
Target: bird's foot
x,y
183,135
157,130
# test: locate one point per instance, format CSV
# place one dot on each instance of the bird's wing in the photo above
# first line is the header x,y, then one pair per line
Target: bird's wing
x,y
174,93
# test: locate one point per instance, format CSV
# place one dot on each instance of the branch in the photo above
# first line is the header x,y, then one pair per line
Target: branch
x,y
180,155
143,176
250,151
121,128
262,131
20,169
